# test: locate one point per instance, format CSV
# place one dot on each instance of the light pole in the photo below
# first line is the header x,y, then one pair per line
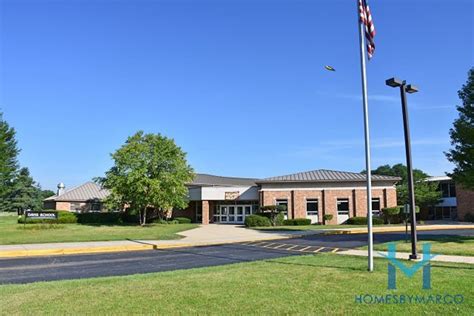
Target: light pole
x,y
404,88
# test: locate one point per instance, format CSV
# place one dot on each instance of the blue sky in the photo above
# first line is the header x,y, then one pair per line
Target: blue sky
x,y
239,85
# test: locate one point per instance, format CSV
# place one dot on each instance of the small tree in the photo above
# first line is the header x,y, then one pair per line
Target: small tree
x,y
150,171
273,212
390,212
462,136
327,218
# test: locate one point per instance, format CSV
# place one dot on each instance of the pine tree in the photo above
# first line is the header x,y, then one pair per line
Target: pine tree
x,y
8,162
462,136
25,193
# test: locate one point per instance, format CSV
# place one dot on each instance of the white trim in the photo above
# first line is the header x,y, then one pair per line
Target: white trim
x,y
324,189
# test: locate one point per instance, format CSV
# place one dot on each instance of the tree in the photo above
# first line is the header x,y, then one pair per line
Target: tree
x,y
273,212
46,194
25,193
462,136
8,162
150,171
426,193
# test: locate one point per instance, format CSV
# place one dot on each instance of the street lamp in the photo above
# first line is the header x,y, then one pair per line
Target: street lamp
x,y
404,88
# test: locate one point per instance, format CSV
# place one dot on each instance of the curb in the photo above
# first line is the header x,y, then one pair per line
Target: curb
x,y
395,229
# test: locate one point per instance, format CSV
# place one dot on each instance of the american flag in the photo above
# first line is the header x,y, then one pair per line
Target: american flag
x,y
366,19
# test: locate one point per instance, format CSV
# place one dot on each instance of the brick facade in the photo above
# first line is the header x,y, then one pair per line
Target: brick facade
x,y
465,201
327,200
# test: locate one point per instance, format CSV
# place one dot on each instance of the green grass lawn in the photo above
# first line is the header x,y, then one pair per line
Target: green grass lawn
x,y
13,233
444,245
305,285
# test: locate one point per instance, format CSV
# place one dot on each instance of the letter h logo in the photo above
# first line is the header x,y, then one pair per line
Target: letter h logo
x,y
409,271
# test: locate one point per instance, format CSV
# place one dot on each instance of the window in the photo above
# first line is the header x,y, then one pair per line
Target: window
x,y
343,206
95,207
75,207
311,207
285,203
447,189
375,206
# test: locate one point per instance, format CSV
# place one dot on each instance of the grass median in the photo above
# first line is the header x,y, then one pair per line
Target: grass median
x,y
443,245
13,233
305,285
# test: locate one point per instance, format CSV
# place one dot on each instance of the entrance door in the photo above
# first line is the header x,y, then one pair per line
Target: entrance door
x,y
232,213
342,210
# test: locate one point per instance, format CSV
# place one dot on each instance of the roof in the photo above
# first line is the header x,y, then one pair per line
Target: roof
x,y
438,178
202,179
84,192
322,175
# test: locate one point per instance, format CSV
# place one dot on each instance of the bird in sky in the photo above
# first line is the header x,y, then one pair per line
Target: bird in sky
x,y
329,68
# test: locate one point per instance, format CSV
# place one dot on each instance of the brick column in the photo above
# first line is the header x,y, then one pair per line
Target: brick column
x,y
205,212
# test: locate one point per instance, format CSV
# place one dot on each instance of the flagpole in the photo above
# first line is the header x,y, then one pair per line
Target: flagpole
x,y
367,142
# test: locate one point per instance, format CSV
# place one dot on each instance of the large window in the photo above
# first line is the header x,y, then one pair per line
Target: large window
x,y
447,189
311,207
376,206
343,206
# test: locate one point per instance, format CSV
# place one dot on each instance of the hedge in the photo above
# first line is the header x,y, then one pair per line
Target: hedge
x,y
100,218
257,220
297,222
359,220
64,217
183,220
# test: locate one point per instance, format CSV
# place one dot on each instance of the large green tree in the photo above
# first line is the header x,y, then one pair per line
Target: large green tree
x,y
25,193
8,162
426,193
462,136
150,171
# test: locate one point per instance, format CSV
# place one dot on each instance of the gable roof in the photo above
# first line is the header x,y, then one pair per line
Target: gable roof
x,y
202,179
323,175
84,192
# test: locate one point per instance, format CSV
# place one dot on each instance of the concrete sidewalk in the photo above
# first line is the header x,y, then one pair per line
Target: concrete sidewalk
x,y
399,228
204,235
404,255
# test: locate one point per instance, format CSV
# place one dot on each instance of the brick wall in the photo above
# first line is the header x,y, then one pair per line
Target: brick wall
x,y
63,206
327,200
465,201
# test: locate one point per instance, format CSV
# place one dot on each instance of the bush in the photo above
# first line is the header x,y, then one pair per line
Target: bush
x,y
64,217
165,221
469,217
359,220
298,222
183,220
257,220
327,217
279,218
100,218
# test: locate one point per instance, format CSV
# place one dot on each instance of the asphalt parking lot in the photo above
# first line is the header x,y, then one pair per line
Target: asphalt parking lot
x,y
34,269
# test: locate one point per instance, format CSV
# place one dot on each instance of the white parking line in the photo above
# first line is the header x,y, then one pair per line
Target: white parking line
x,y
318,250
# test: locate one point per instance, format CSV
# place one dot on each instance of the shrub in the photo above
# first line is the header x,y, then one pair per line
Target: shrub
x,y
183,220
64,217
257,220
165,221
391,214
359,220
469,217
278,219
100,218
327,217
298,221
